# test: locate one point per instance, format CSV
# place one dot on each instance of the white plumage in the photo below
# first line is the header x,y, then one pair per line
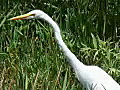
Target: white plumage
x,y
92,77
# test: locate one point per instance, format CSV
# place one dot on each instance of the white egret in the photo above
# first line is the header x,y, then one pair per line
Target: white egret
x,y
92,77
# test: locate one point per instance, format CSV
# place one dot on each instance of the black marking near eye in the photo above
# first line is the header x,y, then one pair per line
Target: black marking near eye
x,y
32,15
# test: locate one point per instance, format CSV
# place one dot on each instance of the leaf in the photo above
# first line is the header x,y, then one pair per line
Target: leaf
x,y
94,41
65,81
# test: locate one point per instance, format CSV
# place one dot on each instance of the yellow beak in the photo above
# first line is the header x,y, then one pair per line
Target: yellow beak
x,y
21,17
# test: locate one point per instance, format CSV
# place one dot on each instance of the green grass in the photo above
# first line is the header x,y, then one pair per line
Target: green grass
x,y
30,58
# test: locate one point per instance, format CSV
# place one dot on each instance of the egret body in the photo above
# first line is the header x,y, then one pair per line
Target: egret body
x,y
92,77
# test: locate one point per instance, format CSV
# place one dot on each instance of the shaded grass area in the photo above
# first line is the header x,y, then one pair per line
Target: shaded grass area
x,y
30,57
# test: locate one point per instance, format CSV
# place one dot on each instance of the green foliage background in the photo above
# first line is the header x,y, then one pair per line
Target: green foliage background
x,y
30,58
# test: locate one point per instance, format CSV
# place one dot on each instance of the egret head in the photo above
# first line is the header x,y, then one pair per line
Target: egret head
x,y
35,14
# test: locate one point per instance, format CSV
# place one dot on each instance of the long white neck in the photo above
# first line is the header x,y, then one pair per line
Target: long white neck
x,y
72,59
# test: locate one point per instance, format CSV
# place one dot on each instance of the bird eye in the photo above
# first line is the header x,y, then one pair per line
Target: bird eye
x,y
32,15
